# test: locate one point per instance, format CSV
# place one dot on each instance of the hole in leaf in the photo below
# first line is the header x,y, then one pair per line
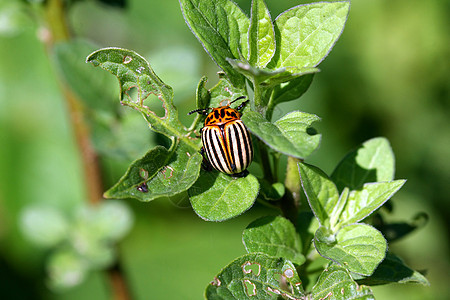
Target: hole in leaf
x,y
289,273
249,267
167,172
140,70
155,104
127,59
143,173
216,282
250,288
275,291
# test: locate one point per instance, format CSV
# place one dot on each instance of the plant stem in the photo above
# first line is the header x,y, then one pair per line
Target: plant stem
x,y
257,96
292,181
91,168
290,202
265,163
57,26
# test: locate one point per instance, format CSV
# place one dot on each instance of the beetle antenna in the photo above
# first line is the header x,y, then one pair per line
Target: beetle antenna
x,y
201,111
242,105
238,98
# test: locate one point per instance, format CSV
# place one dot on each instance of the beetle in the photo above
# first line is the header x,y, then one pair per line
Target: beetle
x,y
226,141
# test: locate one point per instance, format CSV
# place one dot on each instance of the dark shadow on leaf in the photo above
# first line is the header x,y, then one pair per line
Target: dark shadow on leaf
x,y
349,168
395,231
261,222
311,131
392,269
303,223
204,182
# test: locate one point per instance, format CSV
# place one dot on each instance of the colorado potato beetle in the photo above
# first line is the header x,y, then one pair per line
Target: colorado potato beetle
x,y
226,141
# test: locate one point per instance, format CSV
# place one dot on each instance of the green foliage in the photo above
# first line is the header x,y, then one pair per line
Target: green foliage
x,y
79,243
221,26
261,35
337,283
268,62
256,276
288,135
306,33
370,162
275,236
358,247
218,197
165,172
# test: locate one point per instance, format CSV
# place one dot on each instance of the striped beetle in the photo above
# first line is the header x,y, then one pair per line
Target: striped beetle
x,y
226,141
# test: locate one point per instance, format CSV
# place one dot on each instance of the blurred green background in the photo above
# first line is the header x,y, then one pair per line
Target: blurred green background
x,y
388,75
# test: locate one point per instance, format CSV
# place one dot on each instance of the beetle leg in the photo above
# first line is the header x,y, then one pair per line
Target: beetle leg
x,y
241,174
205,163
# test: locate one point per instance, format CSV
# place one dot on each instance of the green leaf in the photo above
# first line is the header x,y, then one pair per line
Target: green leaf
x,y
275,236
271,191
224,92
358,247
261,38
335,215
203,99
91,240
222,28
134,72
159,173
373,161
362,203
203,96
336,283
65,269
291,90
110,221
320,190
256,276
305,34
394,270
290,135
218,197
269,78
44,226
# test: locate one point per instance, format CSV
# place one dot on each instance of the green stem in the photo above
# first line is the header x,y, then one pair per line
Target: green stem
x,y
259,105
290,202
270,107
292,181
265,163
56,18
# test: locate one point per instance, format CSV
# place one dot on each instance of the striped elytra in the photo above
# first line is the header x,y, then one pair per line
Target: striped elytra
x,y
228,146
226,141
